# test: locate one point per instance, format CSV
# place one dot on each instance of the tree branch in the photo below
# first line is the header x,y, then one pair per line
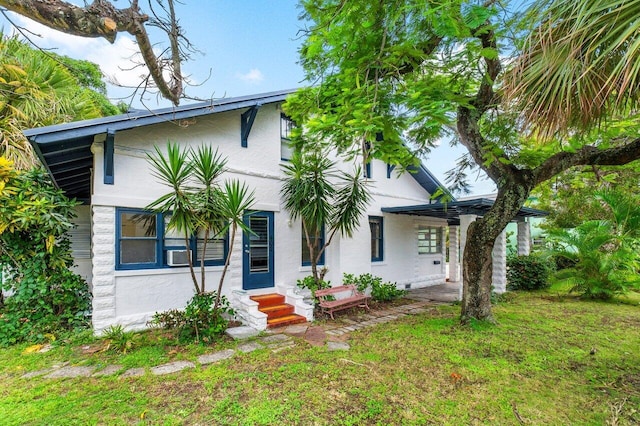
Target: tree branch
x,y
485,98
587,156
102,19
99,19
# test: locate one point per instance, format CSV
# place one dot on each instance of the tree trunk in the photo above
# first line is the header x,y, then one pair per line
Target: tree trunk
x,y
234,229
477,267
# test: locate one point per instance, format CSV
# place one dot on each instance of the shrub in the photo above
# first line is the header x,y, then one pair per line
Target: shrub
x,y
199,322
380,292
527,273
45,296
310,283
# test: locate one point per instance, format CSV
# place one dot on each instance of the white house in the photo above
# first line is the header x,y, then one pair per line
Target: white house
x,y
135,272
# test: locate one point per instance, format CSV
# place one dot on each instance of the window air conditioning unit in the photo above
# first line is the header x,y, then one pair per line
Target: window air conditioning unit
x,y
177,258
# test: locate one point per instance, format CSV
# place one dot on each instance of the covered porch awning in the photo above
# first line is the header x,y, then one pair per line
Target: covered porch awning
x,y
451,211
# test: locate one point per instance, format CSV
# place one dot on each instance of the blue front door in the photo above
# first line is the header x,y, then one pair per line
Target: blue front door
x,y
257,247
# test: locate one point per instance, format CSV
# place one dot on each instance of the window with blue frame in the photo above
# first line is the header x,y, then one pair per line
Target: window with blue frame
x,y
316,242
144,242
377,238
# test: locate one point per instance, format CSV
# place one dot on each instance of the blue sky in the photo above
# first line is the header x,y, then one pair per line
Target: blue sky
x,y
248,47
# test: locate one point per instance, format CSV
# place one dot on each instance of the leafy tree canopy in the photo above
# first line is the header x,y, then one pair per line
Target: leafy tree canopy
x,y
391,78
39,89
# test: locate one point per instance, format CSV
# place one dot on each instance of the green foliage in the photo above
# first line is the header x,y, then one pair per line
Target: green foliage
x,y
117,340
196,203
380,292
315,192
602,255
527,273
45,296
39,88
309,282
200,322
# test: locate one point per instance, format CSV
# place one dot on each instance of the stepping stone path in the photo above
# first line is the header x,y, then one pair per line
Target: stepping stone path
x,y
172,367
331,334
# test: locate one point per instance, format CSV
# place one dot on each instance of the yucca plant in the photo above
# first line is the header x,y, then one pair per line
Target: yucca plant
x,y
321,197
197,204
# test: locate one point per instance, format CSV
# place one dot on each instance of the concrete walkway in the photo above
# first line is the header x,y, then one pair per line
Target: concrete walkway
x,y
443,293
331,334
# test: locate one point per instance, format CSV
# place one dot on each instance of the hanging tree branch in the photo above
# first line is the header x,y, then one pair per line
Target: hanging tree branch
x,y
101,19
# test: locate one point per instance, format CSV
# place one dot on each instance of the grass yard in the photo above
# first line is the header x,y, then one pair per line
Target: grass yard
x,y
552,360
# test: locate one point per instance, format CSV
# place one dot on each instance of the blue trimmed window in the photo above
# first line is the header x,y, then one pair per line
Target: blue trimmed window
x,y
317,243
377,238
143,241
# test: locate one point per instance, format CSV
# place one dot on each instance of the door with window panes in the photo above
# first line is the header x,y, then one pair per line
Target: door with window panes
x,y
258,251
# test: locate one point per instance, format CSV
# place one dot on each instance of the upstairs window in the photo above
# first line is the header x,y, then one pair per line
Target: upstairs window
x,y
286,127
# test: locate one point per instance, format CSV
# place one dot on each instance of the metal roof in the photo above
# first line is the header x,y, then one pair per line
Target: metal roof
x,y
451,211
65,149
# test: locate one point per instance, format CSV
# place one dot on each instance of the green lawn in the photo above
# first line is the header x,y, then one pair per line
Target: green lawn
x,y
552,360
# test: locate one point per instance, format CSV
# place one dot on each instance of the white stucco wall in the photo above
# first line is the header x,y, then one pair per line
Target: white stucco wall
x,y
131,297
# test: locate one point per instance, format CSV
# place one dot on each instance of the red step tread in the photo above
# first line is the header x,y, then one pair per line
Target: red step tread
x,y
276,311
270,299
286,320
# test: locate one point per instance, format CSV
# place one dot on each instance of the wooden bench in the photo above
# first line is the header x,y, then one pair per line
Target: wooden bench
x,y
330,303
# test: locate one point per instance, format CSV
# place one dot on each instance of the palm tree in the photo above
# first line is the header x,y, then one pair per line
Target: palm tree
x,y
196,204
35,90
310,193
579,66
235,199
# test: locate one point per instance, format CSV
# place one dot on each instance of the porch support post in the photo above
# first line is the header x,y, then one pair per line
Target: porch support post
x,y
524,238
465,221
454,265
499,254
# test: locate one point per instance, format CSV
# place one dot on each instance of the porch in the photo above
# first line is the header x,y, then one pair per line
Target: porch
x,y
459,215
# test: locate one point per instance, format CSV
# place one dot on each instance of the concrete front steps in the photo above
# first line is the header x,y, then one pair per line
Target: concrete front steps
x,y
278,312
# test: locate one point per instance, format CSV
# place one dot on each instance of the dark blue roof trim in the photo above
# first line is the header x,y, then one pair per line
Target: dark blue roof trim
x,y
428,181
452,211
131,120
65,149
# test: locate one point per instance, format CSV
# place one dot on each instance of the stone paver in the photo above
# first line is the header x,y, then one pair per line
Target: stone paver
x,y
171,367
70,372
338,346
249,347
133,372
215,357
275,338
316,335
37,373
242,333
296,330
109,370
282,346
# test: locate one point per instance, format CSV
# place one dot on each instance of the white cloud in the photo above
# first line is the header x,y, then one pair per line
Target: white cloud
x,y
254,76
116,60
